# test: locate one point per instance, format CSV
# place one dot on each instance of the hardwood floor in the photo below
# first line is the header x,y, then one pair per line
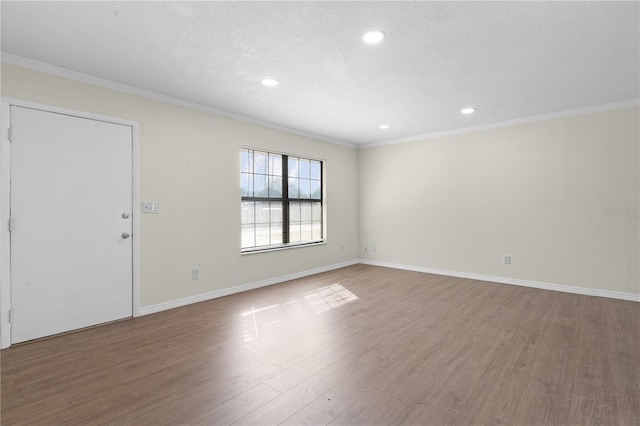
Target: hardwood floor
x,y
358,345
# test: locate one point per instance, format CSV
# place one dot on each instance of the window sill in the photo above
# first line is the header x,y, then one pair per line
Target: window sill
x,y
283,247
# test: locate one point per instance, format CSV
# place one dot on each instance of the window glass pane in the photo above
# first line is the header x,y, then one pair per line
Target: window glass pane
x,y
294,212
294,232
305,168
305,188
275,164
315,170
293,167
262,212
305,231
316,230
293,188
276,233
315,190
262,234
316,212
247,236
248,212
260,186
260,162
276,212
246,161
275,187
305,213
246,185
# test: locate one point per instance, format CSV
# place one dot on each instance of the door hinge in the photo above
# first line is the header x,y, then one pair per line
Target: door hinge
x,y
10,315
11,224
10,132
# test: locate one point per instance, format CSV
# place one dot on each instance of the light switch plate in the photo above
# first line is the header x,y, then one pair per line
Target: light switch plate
x,y
150,207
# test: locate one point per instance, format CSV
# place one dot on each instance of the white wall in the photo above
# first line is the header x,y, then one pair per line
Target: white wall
x,y
189,162
538,192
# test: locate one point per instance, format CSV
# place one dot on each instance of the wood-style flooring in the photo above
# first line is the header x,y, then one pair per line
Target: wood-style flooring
x,y
361,345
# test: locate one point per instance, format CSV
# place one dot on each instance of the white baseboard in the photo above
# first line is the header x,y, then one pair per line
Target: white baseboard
x,y
513,281
146,310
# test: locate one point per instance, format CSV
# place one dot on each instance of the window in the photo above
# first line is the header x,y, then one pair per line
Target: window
x,y
282,200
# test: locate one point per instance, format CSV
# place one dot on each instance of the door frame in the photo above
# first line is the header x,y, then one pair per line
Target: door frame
x,y
5,201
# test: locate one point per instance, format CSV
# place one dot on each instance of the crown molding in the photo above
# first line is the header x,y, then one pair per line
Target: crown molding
x,y
532,119
19,61
11,59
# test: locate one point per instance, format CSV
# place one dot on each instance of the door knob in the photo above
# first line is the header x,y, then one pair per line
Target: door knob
x,y
125,215
125,235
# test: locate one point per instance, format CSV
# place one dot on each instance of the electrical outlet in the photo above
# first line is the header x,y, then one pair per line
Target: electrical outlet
x,y
373,249
195,274
341,249
507,259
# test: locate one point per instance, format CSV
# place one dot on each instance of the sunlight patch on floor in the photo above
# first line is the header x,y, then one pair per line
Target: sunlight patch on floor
x,y
331,297
261,321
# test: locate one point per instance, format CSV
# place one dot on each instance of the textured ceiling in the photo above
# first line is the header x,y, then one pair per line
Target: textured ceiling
x,y
510,60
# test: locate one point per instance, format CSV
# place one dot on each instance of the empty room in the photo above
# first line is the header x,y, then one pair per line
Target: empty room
x,y
320,212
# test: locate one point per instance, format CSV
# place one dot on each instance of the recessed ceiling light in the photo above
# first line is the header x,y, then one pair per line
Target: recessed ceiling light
x,y
373,37
269,82
384,126
468,110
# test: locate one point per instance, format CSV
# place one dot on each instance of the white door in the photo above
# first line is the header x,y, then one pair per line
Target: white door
x,y
71,205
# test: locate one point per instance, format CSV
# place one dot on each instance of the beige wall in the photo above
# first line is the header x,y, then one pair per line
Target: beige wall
x,y
189,162
538,192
